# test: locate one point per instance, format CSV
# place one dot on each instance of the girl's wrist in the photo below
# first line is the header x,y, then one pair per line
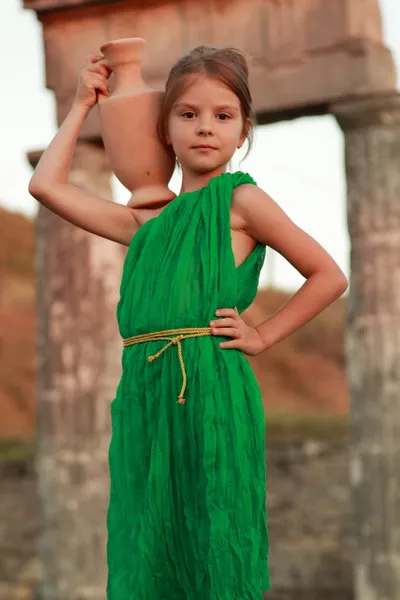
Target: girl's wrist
x,y
80,108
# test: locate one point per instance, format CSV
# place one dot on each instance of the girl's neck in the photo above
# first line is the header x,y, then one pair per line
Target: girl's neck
x,y
192,181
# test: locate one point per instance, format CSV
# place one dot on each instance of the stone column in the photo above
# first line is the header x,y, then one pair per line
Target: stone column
x,y
78,366
372,135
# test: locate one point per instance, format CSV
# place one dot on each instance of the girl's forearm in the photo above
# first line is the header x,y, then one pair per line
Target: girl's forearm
x,y
55,163
316,293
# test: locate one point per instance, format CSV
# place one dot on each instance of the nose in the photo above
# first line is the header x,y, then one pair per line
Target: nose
x,y
204,127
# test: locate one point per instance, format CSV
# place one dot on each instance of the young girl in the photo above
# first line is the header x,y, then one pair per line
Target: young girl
x,y
187,516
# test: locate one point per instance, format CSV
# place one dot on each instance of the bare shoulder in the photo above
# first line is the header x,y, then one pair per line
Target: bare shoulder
x,y
264,220
248,201
248,192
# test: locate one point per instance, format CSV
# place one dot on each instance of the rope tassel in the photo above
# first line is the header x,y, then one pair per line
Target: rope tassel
x,y
187,332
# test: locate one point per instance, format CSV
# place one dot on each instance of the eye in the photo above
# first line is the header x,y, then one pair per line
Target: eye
x,y
224,116
187,113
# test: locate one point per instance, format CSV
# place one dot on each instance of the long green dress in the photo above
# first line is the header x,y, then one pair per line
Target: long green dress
x,y
187,517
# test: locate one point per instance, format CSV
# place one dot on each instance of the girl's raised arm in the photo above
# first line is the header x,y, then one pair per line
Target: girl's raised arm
x,y
49,182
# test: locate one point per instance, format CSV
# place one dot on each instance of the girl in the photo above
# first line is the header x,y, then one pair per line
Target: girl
x,y
187,516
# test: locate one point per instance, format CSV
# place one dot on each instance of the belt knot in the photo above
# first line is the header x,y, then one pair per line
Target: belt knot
x,y
186,332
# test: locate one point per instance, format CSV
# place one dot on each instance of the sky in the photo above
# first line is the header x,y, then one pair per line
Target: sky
x,y
299,163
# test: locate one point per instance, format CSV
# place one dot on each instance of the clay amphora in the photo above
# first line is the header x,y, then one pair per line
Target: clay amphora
x,y
128,126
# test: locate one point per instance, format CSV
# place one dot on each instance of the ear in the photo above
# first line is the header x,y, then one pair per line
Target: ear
x,y
242,139
243,136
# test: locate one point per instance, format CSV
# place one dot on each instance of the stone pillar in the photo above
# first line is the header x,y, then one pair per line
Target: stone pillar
x,y
372,133
79,357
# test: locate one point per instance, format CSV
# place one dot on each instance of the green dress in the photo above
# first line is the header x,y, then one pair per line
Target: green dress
x,y
187,518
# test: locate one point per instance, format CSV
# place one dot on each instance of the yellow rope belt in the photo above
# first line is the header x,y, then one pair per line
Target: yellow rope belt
x,y
185,332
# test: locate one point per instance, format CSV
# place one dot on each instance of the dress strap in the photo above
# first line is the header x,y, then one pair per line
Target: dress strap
x,y
239,177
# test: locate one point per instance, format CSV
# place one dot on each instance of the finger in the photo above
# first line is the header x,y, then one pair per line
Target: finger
x,y
228,331
225,322
231,344
225,312
103,62
96,57
100,68
91,59
93,79
103,88
97,83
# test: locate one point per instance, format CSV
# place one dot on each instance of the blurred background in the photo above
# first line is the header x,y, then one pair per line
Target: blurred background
x,y
300,163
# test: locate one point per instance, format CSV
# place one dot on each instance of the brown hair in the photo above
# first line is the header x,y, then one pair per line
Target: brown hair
x,y
229,65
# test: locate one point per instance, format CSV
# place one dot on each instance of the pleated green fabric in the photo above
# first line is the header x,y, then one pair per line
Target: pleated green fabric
x,y
187,518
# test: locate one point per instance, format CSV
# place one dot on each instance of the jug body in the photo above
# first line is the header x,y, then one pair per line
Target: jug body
x,y
128,126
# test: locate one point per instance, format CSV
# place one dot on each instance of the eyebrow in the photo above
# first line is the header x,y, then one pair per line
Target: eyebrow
x,y
193,106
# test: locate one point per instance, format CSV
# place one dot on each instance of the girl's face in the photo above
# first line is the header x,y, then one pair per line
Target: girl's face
x,y
205,125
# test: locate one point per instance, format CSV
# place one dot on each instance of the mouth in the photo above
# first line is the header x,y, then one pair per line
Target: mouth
x,y
204,147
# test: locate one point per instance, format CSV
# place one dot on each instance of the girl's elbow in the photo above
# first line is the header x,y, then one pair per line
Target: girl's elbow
x,y
334,280
342,283
36,189
33,187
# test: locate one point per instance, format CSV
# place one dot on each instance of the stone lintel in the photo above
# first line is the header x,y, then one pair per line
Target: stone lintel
x,y
40,6
380,109
310,89
301,60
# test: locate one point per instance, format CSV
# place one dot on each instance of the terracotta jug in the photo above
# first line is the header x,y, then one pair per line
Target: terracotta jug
x,y
128,126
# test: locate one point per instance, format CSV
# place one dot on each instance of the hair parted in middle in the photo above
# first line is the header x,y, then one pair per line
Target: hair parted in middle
x,y
228,65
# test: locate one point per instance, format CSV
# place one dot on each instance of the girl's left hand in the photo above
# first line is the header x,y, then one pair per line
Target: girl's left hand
x,y
246,338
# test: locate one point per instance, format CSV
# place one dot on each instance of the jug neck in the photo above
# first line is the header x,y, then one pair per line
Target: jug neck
x,y
124,56
128,76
